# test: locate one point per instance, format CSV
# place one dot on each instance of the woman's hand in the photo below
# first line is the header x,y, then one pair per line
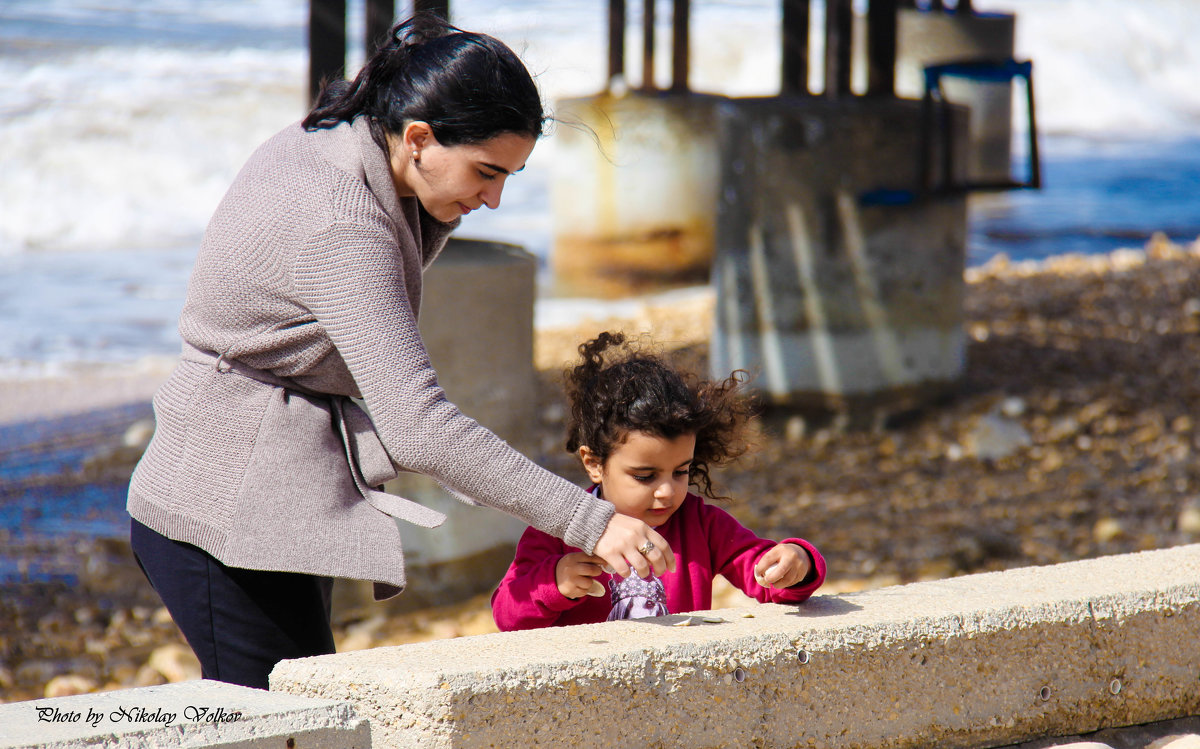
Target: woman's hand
x,y
782,566
621,545
576,575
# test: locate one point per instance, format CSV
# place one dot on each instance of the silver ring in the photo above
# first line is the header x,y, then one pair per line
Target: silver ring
x,y
646,548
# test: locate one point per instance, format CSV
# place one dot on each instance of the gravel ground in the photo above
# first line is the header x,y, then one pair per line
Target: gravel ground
x,y
1072,435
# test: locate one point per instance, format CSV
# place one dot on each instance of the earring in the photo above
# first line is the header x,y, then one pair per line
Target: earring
x,y
416,155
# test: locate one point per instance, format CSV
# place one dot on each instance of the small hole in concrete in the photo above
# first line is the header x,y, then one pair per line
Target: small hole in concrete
x,y
1044,694
291,743
739,675
802,656
1114,686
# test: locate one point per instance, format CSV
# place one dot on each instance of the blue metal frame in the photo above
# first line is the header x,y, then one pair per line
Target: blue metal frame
x,y
937,117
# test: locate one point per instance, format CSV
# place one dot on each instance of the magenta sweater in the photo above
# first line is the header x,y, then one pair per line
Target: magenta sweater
x,y
707,541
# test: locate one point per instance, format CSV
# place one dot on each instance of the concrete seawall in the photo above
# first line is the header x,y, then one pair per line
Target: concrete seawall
x,y
985,660
976,661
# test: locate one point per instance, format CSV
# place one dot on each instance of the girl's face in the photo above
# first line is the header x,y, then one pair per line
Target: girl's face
x,y
452,181
645,477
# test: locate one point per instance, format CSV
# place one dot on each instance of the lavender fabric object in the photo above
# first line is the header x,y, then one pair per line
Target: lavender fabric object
x,y
635,598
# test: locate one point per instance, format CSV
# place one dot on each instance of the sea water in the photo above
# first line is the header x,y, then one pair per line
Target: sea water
x,y
122,122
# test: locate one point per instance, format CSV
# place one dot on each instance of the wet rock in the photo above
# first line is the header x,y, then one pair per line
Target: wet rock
x,y
1062,429
996,437
137,436
1107,529
162,617
86,615
69,684
148,677
1189,520
1178,741
37,671
362,635
795,429
1013,407
175,662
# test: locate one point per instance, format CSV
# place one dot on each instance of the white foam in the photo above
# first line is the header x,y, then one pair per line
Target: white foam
x,y
1111,66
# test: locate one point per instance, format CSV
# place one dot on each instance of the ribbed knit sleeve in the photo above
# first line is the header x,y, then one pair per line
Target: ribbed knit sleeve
x,y
352,276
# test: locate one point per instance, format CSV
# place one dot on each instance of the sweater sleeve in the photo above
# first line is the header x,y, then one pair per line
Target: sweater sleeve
x,y
736,550
351,276
528,597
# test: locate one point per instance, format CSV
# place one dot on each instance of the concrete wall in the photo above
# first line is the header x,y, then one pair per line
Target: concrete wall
x,y
837,280
976,661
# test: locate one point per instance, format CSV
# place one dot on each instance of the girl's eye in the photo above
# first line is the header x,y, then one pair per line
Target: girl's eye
x,y
683,472
485,175
643,479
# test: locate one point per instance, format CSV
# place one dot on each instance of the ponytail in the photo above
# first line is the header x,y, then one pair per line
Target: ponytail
x,y
467,87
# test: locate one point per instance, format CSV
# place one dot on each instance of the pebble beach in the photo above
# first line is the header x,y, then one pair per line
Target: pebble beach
x,y
1072,435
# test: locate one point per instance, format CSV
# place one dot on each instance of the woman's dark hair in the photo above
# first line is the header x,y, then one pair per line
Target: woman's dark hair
x,y
612,393
468,87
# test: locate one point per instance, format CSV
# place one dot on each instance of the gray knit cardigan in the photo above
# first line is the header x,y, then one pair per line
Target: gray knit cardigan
x,y
305,294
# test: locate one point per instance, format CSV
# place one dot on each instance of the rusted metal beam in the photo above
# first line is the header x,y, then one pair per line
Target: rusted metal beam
x,y
616,40
839,18
326,43
881,48
680,45
437,7
380,16
648,46
794,76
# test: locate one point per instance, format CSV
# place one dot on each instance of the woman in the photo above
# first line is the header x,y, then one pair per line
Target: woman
x,y
259,485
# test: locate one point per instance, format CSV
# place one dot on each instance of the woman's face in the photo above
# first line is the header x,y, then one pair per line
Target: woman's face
x,y
452,181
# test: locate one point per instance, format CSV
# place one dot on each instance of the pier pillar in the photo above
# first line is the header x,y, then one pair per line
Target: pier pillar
x,y
634,190
477,325
838,282
929,38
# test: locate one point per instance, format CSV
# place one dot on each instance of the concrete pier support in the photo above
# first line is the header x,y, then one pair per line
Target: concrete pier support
x,y
836,279
634,188
929,38
477,324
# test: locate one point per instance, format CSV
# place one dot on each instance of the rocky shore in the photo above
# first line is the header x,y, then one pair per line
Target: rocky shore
x,y
1073,435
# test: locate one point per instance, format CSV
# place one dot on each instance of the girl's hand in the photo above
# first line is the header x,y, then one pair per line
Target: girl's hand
x,y
622,541
782,566
576,575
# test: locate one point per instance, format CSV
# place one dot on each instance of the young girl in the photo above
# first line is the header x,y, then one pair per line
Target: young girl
x,y
644,433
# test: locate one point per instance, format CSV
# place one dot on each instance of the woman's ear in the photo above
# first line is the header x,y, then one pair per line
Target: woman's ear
x,y
592,464
417,136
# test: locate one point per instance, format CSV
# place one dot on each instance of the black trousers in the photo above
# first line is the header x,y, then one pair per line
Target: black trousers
x,y
239,622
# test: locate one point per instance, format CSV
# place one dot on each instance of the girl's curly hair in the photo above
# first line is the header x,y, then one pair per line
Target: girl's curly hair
x,y
619,388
